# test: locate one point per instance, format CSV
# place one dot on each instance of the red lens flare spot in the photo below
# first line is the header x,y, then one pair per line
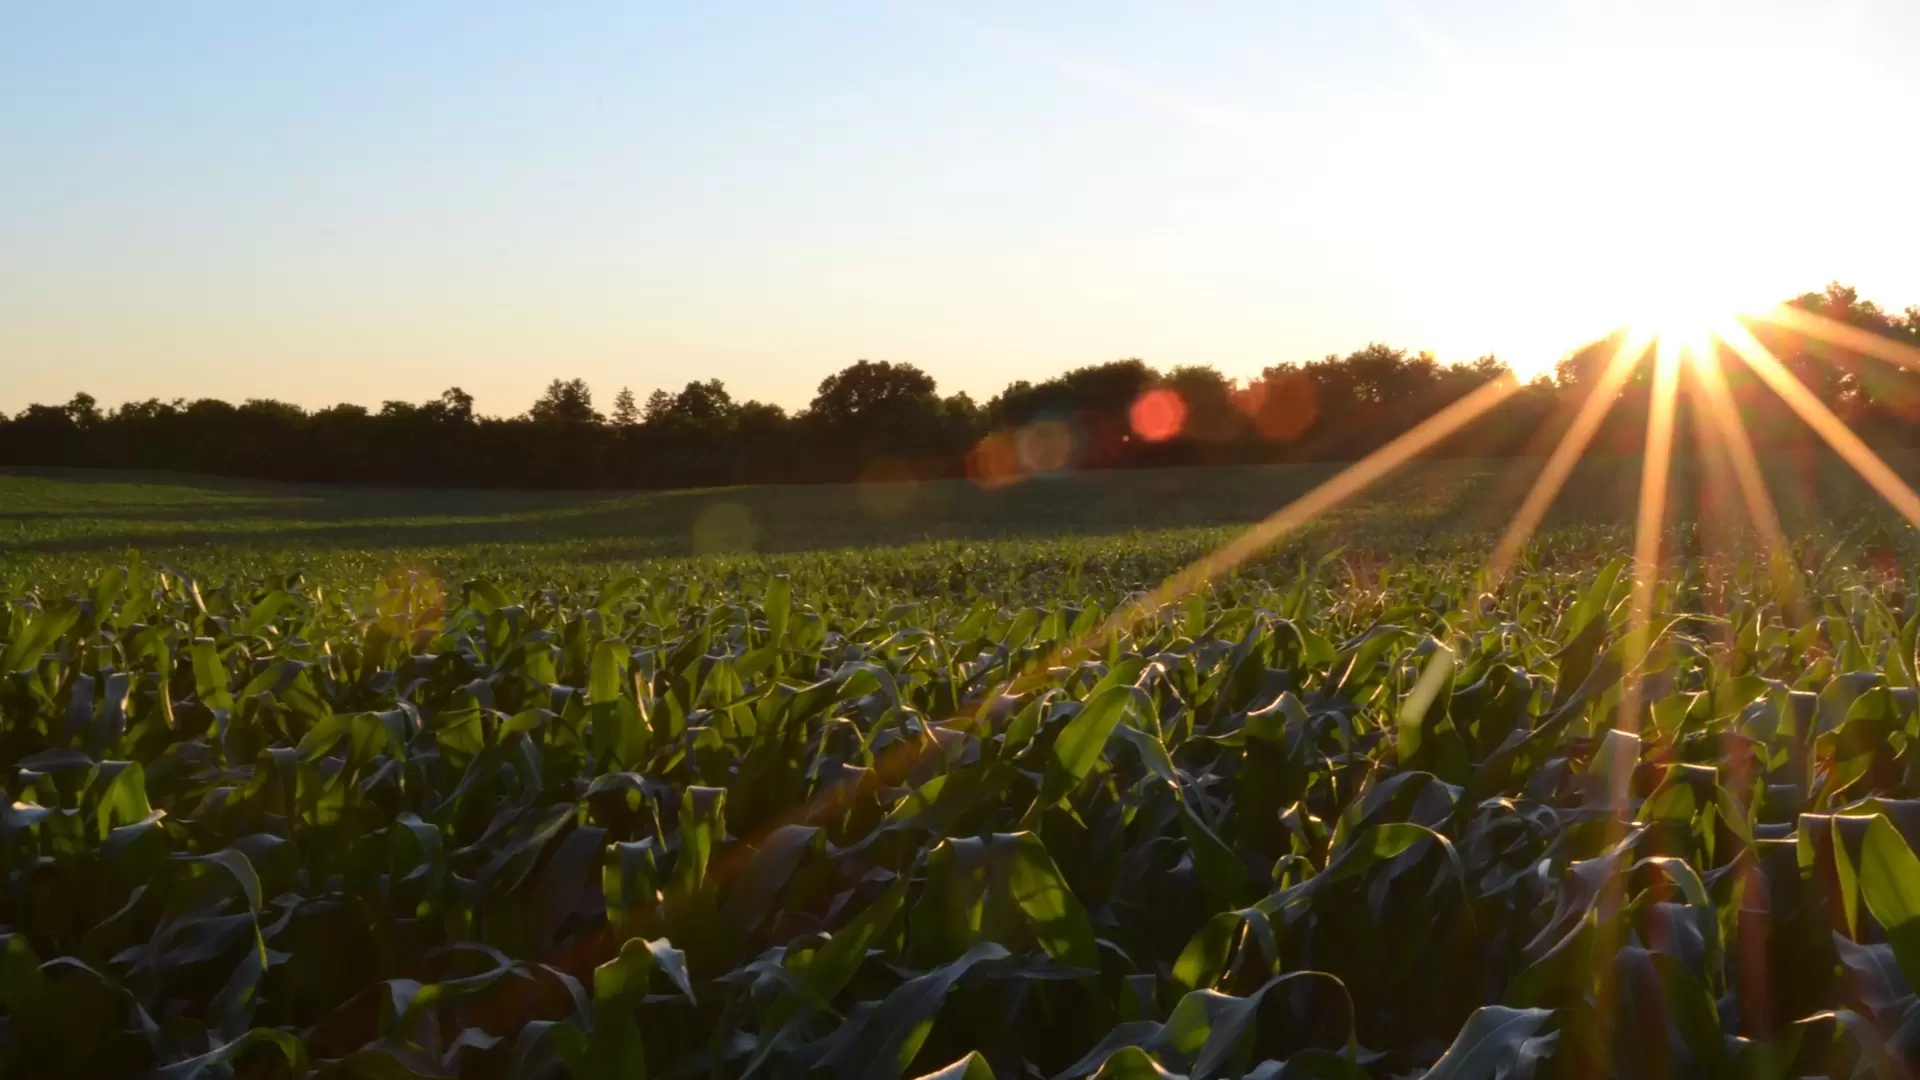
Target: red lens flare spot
x,y
1157,415
992,462
1281,408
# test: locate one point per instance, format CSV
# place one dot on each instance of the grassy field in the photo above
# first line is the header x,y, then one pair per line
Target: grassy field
x,y
73,511
76,513
871,783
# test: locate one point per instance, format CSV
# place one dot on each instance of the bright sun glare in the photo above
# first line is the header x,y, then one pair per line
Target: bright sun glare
x,y
1681,311
1683,325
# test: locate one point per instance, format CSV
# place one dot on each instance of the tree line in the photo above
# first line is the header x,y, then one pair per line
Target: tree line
x,y
879,419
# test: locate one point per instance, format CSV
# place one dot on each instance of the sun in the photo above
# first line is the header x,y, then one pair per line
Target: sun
x,y
1684,317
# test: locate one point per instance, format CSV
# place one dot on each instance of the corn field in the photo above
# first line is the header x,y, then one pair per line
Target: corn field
x,y
936,813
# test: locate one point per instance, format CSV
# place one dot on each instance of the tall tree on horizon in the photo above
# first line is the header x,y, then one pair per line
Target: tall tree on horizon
x,y
567,403
625,412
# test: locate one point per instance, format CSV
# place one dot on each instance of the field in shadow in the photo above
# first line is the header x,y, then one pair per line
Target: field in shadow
x,y
78,511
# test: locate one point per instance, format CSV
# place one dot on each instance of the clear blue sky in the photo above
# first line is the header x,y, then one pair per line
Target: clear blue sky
x,y
361,201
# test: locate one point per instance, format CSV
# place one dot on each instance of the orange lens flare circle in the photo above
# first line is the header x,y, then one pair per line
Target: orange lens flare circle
x,y
1157,415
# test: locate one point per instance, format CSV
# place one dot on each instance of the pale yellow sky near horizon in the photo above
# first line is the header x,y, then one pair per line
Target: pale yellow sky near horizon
x,y
237,202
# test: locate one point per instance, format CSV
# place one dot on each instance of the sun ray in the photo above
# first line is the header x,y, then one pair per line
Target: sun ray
x,y
1560,464
1839,333
1718,535
1821,419
893,765
1349,482
1362,474
1655,466
1721,411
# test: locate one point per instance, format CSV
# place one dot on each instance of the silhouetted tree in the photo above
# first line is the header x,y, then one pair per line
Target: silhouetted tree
x,y
625,412
1094,402
883,418
874,411
455,406
1208,399
565,402
697,403
84,410
870,390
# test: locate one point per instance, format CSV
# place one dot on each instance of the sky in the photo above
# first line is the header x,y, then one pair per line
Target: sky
x,y
371,201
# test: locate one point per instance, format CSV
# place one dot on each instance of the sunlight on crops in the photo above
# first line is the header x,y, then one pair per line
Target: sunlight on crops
x,y
1357,797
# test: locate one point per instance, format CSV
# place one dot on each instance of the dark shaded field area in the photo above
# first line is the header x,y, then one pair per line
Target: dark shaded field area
x,y
76,512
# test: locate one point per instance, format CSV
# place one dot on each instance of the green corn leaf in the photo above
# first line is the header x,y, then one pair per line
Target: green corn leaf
x,y
1890,885
1057,916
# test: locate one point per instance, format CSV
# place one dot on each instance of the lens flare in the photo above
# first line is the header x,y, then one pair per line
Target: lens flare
x,y
1044,446
1347,483
1280,408
1848,337
1554,475
992,462
1157,415
1821,419
1682,338
1724,416
1655,471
